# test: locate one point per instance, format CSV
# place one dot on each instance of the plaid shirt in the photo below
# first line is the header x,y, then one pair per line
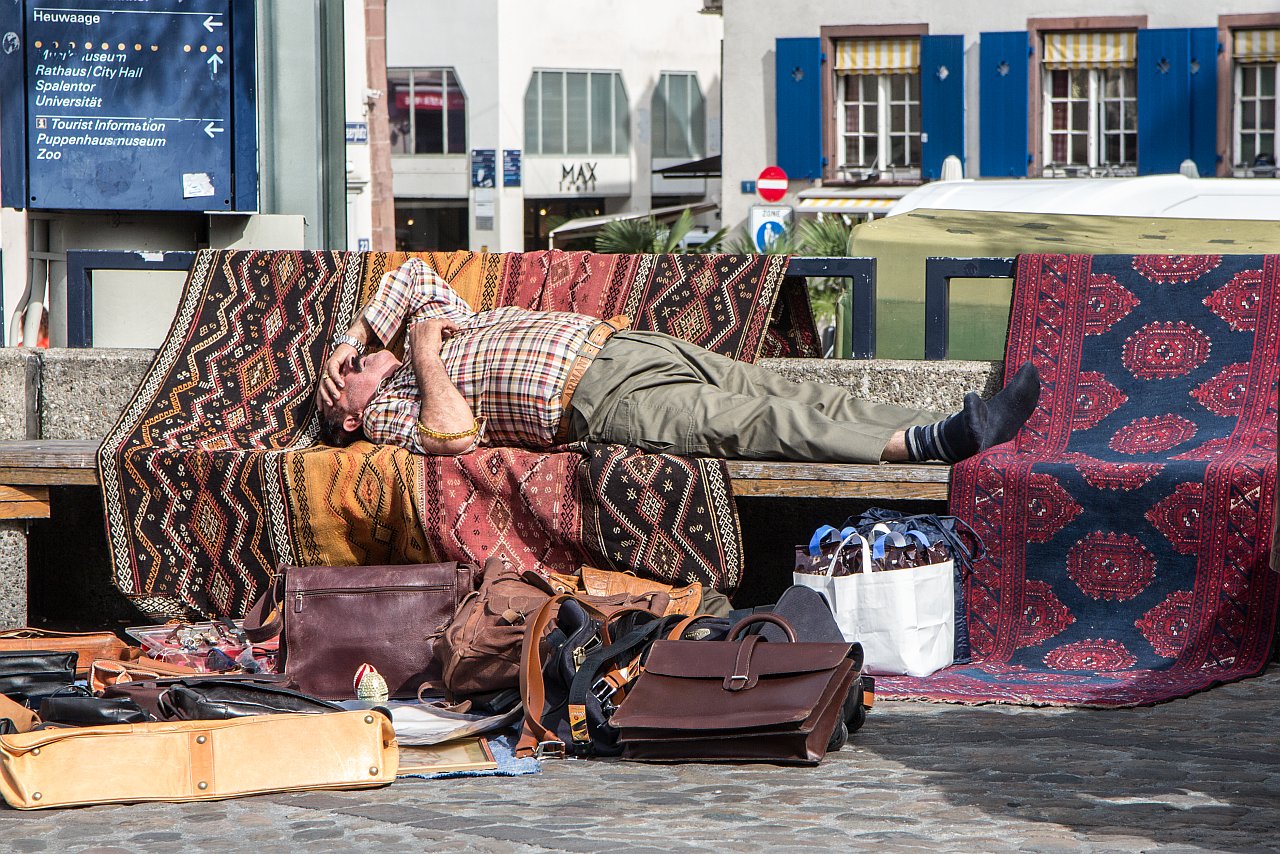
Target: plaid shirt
x,y
509,363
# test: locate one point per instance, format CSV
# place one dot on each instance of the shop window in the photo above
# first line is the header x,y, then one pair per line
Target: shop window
x,y
1257,80
679,117
430,226
576,112
878,108
1090,101
428,111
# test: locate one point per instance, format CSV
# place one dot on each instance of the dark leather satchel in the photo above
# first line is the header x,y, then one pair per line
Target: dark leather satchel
x,y
83,710
332,619
743,699
220,700
27,676
147,692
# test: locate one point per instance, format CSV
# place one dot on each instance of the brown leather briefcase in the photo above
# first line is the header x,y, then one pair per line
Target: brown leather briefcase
x,y
87,645
743,699
332,619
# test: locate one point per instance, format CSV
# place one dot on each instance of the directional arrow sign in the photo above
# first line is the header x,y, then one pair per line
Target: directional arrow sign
x,y
210,23
211,129
214,61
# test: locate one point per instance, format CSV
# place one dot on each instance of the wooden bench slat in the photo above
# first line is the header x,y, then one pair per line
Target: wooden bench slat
x,y
840,489
833,472
73,462
24,502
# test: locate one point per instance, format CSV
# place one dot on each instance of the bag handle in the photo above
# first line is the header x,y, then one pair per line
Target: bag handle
x,y
824,535
265,618
898,540
532,689
762,617
848,538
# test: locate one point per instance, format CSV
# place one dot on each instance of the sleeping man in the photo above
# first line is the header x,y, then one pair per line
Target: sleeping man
x,y
536,379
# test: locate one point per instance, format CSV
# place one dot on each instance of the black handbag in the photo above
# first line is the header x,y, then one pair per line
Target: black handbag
x,y
29,675
81,709
220,700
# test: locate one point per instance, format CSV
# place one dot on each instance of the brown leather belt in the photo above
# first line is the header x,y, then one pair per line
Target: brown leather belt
x,y
599,334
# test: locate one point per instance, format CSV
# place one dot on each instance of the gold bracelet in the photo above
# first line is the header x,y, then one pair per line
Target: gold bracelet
x,y
444,437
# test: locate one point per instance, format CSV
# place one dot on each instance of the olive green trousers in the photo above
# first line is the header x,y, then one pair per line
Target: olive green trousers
x,y
662,394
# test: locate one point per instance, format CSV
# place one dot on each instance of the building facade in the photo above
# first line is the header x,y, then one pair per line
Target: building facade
x,y
509,118
857,103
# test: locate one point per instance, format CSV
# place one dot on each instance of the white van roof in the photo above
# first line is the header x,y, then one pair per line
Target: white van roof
x,y
1149,196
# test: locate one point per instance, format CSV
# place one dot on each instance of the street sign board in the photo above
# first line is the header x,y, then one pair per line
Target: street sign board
x,y
130,104
767,223
772,184
483,166
511,167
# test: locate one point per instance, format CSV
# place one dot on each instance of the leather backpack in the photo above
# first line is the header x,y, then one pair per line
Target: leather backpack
x,y
479,649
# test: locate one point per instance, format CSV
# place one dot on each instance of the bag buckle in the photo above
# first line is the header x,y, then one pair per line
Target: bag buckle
x,y
549,750
603,689
737,682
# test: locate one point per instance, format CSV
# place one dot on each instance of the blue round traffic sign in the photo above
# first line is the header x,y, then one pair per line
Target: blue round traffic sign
x,y
769,231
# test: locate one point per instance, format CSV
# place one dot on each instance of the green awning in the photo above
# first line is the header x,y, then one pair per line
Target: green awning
x,y
980,307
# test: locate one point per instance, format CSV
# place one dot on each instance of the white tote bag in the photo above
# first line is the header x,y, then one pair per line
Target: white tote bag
x,y
905,619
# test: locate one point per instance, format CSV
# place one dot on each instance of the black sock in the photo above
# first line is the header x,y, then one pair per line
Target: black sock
x,y
982,424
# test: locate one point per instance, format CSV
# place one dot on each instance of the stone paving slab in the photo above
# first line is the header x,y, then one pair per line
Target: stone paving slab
x,y
1194,775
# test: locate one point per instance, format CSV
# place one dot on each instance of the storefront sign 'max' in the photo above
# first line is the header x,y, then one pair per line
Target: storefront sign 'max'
x,y
577,178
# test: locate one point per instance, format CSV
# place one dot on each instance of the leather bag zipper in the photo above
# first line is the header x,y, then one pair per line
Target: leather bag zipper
x,y
349,591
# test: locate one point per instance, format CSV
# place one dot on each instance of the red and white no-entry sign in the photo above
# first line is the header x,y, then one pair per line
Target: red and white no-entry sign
x,y
772,184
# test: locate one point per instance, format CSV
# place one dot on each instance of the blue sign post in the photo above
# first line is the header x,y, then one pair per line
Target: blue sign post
x,y
130,105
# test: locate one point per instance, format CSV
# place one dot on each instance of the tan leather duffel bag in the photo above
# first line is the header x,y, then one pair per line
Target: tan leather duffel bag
x,y
197,760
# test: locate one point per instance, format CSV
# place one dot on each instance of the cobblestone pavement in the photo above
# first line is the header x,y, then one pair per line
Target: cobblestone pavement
x,y
1201,774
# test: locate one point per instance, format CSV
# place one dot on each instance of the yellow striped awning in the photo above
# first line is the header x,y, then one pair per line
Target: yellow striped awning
x,y
1089,50
1255,45
843,204
877,56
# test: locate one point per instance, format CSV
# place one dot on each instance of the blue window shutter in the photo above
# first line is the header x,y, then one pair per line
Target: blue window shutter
x,y
1204,100
798,107
1164,100
941,101
1002,104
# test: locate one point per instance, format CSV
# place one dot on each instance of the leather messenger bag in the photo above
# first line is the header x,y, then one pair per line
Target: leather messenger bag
x,y
332,619
743,699
197,760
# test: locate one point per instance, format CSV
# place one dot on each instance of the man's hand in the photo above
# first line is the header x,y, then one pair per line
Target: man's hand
x,y
428,336
331,383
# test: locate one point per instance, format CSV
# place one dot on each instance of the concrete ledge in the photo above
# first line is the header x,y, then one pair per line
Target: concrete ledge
x,y
925,385
13,573
81,393
19,393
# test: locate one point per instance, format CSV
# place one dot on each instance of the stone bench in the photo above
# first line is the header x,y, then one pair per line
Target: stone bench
x,y
55,405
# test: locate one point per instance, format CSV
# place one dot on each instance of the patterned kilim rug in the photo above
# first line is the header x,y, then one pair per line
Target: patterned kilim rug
x,y
211,477
1129,524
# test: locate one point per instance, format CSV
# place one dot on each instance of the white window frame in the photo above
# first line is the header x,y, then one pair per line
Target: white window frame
x,y
1237,109
883,134
443,71
697,147
1096,132
616,86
